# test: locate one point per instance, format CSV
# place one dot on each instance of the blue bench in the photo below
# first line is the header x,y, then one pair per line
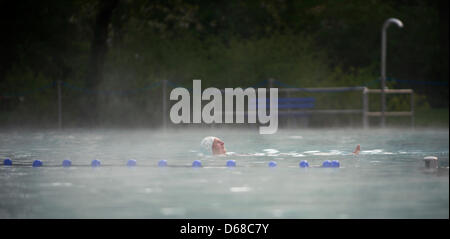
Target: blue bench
x,y
294,104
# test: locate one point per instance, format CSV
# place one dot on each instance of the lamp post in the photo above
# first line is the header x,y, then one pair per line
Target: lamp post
x,y
383,65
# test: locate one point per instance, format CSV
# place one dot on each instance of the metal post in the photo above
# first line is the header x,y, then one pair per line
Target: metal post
x,y
271,83
164,105
289,121
365,108
59,105
412,109
383,65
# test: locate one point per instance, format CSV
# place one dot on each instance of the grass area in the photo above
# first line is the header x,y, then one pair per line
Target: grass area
x,y
432,118
422,118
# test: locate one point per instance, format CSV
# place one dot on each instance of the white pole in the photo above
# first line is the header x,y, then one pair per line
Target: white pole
x,y
271,83
412,109
365,108
164,106
383,65
59,105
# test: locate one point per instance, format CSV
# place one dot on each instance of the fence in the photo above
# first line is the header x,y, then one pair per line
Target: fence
x,y
296,110
288,90
383,114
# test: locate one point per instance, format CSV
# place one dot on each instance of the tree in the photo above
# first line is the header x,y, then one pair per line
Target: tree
x,y
99,49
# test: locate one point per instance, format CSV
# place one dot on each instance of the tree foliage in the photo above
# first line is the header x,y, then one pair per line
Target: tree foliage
x,y
128,44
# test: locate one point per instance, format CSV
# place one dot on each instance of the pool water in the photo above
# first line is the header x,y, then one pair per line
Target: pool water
x,y
387,179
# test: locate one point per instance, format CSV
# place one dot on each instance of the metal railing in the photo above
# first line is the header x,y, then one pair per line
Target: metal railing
x,y
363,111
384,113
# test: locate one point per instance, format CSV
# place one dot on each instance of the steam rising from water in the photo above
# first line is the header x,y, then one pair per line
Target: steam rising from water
x,y
388,169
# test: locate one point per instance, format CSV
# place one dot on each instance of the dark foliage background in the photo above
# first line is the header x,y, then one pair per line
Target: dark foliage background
x,y
111,54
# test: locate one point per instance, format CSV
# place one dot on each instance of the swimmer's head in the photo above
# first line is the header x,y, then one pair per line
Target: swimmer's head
x,y
218,147
357,149
213,145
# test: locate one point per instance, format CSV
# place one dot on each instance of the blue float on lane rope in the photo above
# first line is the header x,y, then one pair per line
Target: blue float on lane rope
x,y
304,164
196,163
162,163
37,163
66,163
272,164
7,162
131,163
326,164
335,164
95,163
231,163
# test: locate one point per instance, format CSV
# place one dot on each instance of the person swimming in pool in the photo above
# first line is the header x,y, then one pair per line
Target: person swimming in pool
x,y
216,146
358,148
213,145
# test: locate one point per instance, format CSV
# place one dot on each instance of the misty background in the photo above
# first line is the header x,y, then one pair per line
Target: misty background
x,y
110,56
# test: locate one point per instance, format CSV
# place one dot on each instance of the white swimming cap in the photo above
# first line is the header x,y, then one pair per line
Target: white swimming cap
x,y
207,143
